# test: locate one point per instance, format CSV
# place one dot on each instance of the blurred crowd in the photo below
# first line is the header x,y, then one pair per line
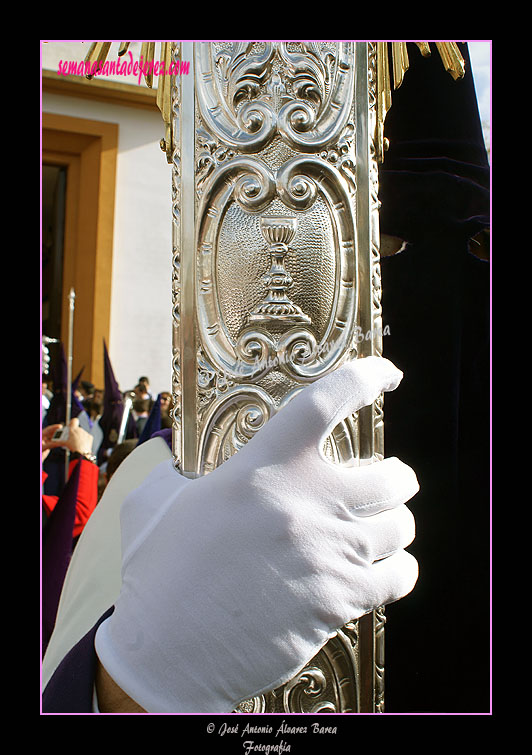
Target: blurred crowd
x,y
91,400
113,434
109,422
84,441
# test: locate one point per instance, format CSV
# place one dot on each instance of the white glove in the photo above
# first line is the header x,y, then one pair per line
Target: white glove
x,y
233,581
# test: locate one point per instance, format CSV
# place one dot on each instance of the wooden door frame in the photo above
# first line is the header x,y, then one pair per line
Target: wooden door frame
x,y
88,149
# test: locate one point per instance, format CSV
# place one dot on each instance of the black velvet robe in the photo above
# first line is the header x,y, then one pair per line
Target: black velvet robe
x,y
435,194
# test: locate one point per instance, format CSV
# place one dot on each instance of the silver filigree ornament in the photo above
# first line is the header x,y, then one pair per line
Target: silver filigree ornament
x,y
278,232
271,279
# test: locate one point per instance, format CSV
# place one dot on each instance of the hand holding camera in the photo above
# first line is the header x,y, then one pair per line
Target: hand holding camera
x,y
73,437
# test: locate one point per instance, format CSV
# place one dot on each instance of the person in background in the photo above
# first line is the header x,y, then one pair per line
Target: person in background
x,y
145,383
141,409
98,395
85,390
166,408
119,454
117,457
140,392
94,408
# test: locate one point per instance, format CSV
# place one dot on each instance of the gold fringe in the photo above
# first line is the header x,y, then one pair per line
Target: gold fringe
x,y
449,54
452,60
98,52
400,62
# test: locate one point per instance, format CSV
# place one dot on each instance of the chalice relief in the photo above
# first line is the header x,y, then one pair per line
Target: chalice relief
x,y
278,232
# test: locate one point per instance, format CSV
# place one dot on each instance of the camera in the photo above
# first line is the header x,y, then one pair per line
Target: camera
x,y
61,434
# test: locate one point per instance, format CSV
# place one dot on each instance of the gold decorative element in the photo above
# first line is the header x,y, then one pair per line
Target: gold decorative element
x,y
400,62
452,61
164,99
99,51
424,48
449,53
147,53
383,97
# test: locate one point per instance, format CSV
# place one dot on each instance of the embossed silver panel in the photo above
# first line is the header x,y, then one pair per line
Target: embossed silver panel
x,y
276,276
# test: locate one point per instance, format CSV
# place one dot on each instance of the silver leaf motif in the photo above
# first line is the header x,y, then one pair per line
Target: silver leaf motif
x,y
275,272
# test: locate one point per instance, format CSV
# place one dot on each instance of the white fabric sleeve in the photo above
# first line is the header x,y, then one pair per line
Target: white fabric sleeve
x,y
93,580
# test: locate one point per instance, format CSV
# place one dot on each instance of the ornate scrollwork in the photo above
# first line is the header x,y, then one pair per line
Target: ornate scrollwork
x,y
246,101
229,422
272,156
328,684
297,348
295,352
323,88
297,188
253,186
309,684
176,265
211,155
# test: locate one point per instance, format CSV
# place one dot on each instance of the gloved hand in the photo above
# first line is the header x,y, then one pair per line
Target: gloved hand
x,y
233,581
